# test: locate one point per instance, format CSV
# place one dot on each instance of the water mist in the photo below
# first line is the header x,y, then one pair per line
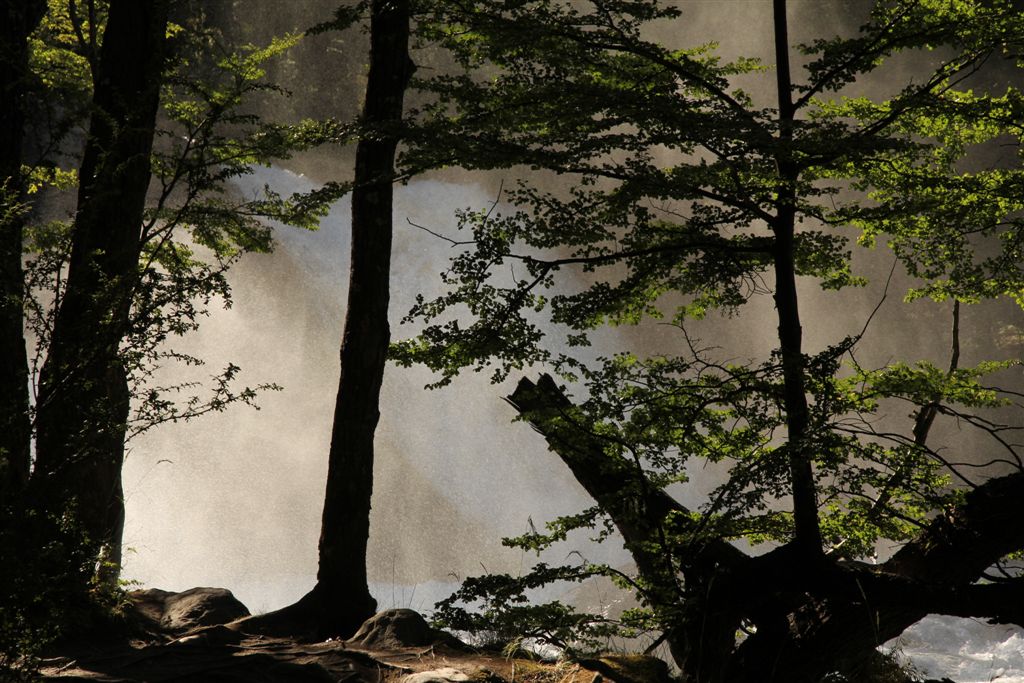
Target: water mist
x,y
234,499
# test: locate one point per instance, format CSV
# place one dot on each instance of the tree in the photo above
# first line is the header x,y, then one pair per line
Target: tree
x,y
690,197
341,577
340,601
19,20
84,400
152,236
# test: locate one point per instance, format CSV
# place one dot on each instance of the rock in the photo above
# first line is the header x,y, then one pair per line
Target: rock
x,y
194,608
149,606
446,675
201,607
397,628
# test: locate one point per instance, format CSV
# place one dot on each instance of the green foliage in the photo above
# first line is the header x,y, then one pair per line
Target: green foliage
x,y
344,17
197,226
46,567
498,612
62,52
580,97
679,195
924,384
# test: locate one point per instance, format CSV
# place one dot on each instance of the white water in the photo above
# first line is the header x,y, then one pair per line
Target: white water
x,y
964,650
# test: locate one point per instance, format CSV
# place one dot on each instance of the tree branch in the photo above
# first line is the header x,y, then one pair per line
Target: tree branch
x,y
640,511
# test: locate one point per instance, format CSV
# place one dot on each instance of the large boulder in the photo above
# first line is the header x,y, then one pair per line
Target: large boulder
x,y
398,628
148,606
184,611
201,607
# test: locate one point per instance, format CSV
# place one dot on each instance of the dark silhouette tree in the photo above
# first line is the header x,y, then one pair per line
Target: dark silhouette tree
x,y
341,577
340,601
18,19
84,399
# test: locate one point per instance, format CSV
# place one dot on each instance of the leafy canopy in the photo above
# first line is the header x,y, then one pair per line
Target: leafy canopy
x,y
670,186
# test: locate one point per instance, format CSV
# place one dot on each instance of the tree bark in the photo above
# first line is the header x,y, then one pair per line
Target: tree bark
x,y
18,18
83,395
807,534
341,588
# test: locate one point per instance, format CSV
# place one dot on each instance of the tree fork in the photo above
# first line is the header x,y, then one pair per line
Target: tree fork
x,y
842,612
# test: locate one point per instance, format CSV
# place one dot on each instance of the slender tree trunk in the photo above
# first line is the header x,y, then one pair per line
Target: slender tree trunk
x,y
341,580
805,504
83,396
17,20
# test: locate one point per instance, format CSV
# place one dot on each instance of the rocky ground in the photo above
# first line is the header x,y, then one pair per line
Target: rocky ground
x,y
200,635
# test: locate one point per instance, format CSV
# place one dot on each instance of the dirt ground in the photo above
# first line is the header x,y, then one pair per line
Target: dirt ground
x,y
225,653
267,659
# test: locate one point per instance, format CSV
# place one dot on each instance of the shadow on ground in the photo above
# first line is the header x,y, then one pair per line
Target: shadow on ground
x,y
205,635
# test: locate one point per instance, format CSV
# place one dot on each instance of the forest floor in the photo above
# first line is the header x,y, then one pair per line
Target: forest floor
x,y
283,659
152,651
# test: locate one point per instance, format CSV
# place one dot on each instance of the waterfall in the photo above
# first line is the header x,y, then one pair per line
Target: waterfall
x,y
234,499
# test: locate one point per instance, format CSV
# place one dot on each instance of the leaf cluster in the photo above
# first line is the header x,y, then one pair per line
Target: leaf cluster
x,y
497,610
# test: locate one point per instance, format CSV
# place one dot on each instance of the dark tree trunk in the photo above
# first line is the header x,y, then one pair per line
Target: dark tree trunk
x,y
17,20
341,588
807,535
841,613
83,395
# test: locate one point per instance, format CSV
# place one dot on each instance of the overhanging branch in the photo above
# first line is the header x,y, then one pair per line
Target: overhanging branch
x,y
639,510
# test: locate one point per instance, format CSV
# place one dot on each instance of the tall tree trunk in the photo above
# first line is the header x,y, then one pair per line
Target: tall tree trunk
x,y
17,20
83,396
341,580
807,535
